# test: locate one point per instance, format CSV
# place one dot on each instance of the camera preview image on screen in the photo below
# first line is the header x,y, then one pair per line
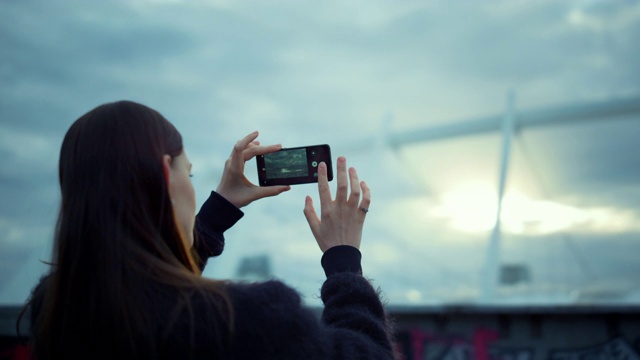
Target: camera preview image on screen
x,y
286,164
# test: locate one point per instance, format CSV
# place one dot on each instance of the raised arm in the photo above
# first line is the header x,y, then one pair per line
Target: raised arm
x,y
354,315
271,318
222,209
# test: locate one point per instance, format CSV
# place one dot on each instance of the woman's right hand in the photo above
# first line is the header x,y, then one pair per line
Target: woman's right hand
x,y
341,220
234,185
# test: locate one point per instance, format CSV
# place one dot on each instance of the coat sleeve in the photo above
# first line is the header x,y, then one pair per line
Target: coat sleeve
x,y
272,323
215,217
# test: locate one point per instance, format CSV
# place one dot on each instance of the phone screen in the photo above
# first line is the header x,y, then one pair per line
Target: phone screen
x,y
286,164
291,166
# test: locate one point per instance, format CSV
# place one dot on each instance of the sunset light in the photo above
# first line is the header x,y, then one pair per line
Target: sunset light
x,y
472,208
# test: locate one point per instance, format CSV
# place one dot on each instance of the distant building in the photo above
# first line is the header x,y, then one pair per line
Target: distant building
x,y
514,274
255,268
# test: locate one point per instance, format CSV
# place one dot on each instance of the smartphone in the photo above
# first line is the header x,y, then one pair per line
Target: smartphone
x,y
290,166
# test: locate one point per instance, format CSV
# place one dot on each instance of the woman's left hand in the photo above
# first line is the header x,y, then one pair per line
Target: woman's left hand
x,y
234,185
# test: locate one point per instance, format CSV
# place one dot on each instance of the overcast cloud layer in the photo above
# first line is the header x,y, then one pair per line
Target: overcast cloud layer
x,y
349,73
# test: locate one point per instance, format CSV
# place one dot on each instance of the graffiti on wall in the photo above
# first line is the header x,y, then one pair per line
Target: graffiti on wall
x,y
615,349
485,344
479,346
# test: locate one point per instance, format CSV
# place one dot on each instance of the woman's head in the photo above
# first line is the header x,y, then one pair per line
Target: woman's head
x,y
125,187
123,238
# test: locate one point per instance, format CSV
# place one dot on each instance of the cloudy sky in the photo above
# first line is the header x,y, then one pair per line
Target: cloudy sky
x,y
353,74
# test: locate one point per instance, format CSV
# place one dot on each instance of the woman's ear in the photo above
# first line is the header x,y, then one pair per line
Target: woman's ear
x,y
166,168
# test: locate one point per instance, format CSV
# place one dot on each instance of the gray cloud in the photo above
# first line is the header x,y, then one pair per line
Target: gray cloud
x,y
330,72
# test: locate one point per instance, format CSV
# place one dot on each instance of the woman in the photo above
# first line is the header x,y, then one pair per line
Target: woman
x,y
125,277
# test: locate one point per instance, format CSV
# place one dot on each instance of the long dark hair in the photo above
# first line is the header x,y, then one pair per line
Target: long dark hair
x,y
117,241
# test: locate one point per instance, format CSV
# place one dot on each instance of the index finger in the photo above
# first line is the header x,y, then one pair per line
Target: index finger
x,y
242,144
323,186
256,150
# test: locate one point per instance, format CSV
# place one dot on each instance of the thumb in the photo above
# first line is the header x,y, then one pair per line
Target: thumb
x,y
268,191
312,217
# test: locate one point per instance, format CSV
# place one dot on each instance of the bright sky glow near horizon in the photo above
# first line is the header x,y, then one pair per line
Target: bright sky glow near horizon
x,y
350,73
